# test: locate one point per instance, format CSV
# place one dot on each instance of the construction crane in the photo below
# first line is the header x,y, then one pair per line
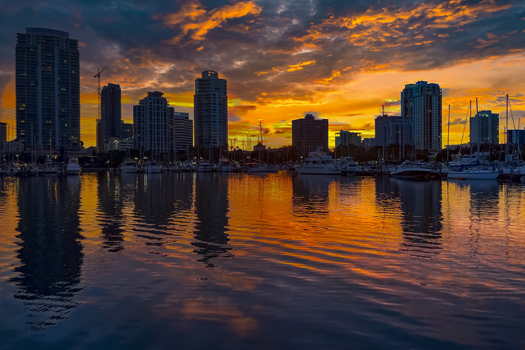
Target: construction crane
x,y
98,76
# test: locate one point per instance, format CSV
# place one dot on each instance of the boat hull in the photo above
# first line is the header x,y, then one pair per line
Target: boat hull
x,y
413,174
463,175
317,170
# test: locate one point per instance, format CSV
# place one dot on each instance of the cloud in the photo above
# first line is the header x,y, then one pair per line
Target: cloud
x,y
194,19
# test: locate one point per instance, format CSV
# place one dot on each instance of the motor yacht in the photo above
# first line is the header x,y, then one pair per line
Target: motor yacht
x,y
319,163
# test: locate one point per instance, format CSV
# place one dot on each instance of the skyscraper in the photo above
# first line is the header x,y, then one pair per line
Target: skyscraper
x,y
153,123
47,89
421,104
484,128
211,111
310,134
347,138
111,114
389,131
182,132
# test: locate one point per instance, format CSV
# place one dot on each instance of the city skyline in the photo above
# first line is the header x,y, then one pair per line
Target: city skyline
x,y
338,61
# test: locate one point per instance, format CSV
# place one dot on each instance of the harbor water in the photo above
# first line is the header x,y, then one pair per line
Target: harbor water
x,y
276,261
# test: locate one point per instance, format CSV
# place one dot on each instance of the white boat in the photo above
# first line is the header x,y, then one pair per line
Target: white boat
x,y
225,165
412,170
187,167
473,174
261,168
73,168
205,167
319,163
129,166
348,165
153,167
50,168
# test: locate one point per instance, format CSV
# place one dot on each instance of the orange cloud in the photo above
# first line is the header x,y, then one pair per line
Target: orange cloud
x,y
193,18
299,66
388,25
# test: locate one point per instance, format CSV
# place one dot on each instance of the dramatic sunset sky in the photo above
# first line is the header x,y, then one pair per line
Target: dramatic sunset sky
x,y
339,59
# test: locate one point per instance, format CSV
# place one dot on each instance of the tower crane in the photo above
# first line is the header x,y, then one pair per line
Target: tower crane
x,y
98,76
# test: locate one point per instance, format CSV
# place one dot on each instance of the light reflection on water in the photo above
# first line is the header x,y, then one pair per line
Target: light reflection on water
x,y
277,261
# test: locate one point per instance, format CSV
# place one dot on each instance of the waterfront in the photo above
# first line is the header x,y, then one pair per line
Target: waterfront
x,y
276,261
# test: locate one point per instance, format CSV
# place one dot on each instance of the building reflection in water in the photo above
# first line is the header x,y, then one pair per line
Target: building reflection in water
x,y
421,218
154,204
50,249
110,205
211,210
482,209
311,194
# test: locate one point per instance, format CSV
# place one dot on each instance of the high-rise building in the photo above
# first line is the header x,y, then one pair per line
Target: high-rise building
x,y
182,132
3,136
516,137
153,123
310,134
110,113
3,132
126,131
347,138
484,128
389,131
421,104
47,89
211,111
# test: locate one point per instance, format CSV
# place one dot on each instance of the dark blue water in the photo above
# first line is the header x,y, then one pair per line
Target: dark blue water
x,y
200,261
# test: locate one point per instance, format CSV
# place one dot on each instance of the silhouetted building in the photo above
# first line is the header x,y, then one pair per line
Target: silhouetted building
x,y
153,123
110,114
516,137
3,132
421,104
47,89
3,135
211,111
368,142
182,132
310,134
347,138
484,128
126,131
389,131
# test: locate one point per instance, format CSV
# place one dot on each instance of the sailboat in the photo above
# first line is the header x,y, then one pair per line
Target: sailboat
x,y
473,170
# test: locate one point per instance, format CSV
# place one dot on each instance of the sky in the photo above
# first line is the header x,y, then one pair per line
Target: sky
x,y
337,59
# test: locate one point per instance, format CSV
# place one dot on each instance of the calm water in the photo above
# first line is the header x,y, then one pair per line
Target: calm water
x,y
194,261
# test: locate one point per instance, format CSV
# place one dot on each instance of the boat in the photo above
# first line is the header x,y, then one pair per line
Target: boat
x,y
412,170
261,168
153,167
49,168
319,163
187,167
225,165
128,166
465,172
73,168
205,167
348,165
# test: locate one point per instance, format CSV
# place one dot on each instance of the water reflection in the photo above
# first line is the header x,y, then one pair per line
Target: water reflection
x,y
211,210
311,193
50,249
110,204
153,207
420,204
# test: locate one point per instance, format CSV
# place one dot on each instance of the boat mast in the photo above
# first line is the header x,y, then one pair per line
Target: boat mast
x,y
448,134
507,128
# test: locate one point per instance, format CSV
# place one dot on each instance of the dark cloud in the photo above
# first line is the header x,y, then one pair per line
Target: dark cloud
x,y
257,51
458,121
